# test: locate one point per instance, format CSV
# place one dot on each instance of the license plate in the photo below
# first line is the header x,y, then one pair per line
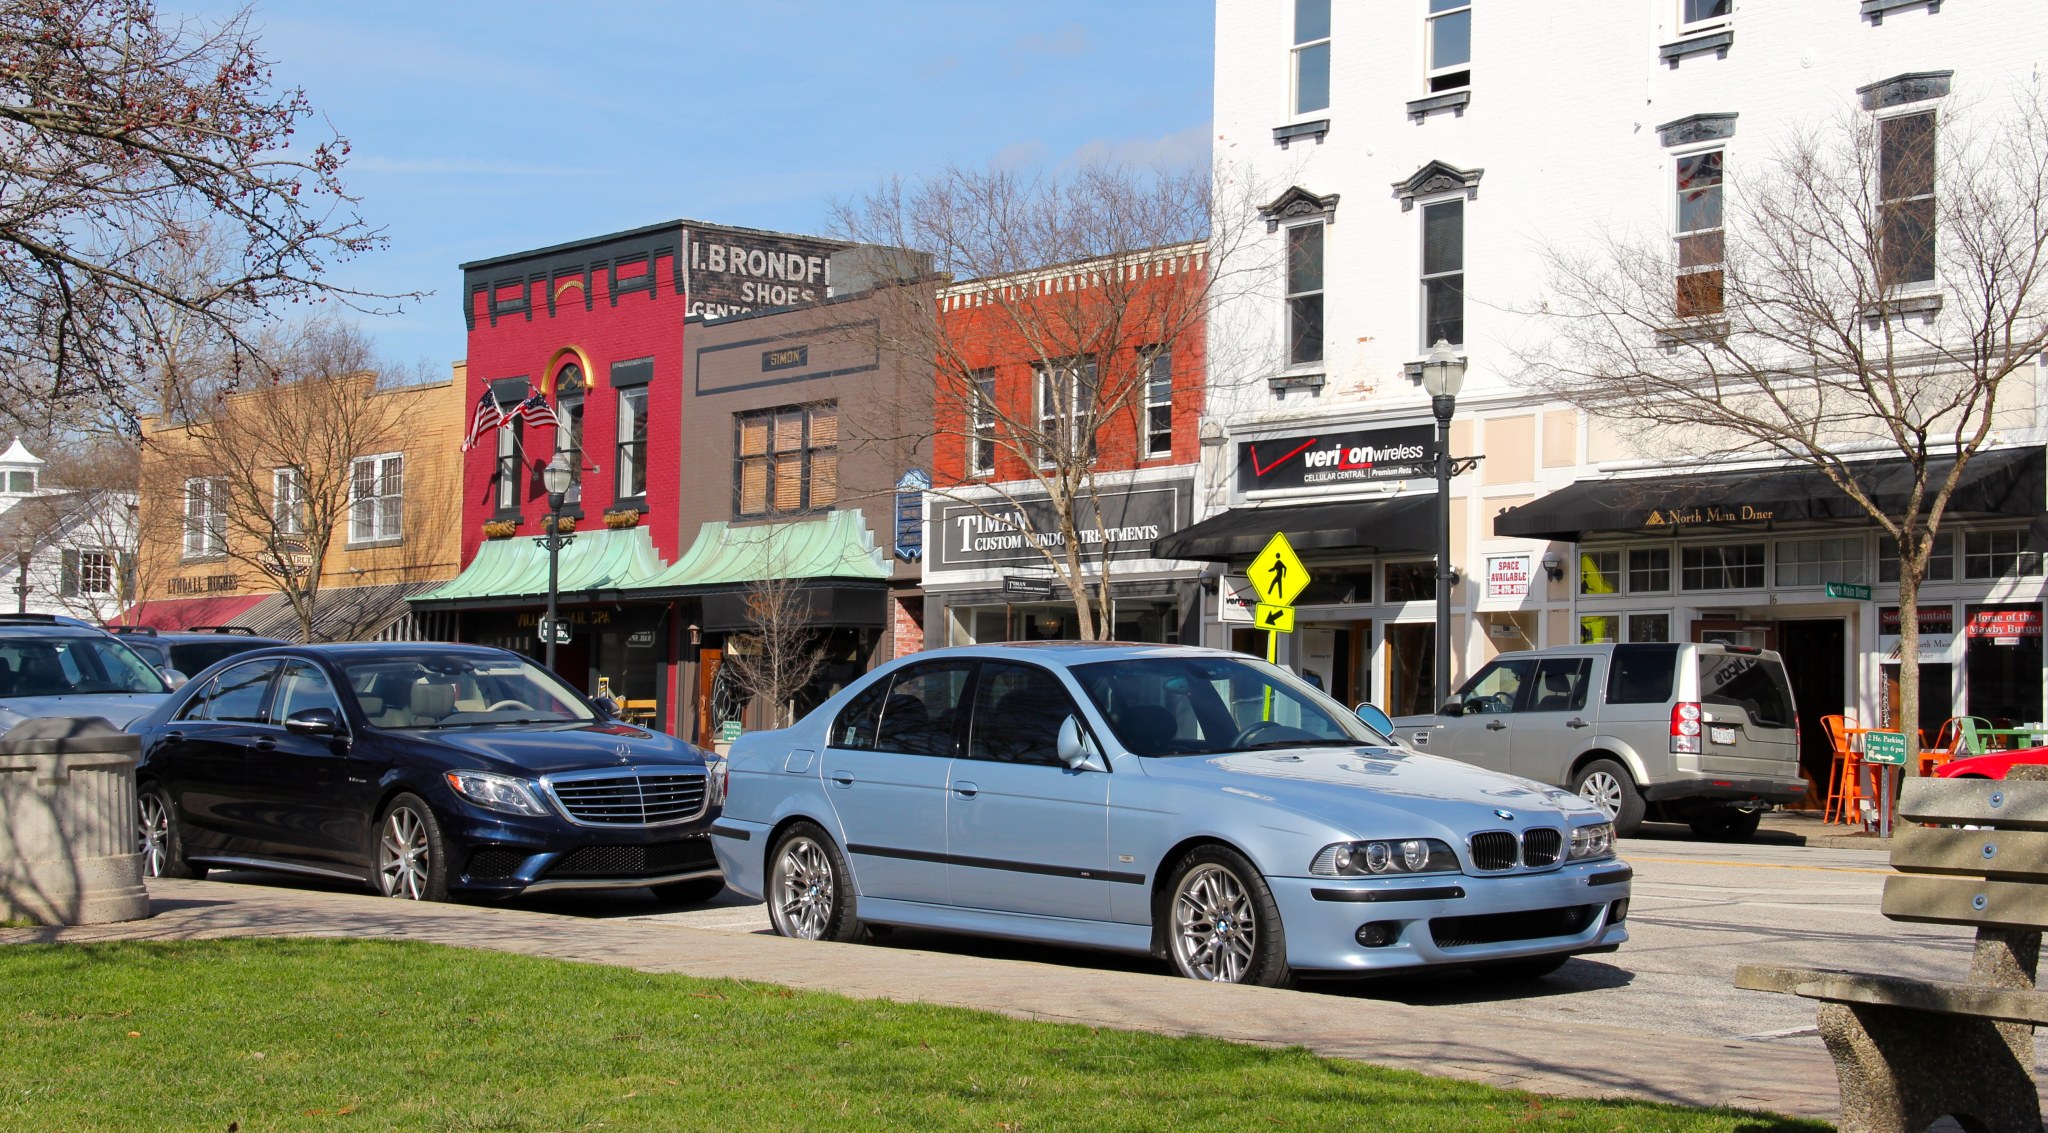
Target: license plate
x,y
1721,735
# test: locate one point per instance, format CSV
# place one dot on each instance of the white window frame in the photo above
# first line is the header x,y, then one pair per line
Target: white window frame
x,y
1680,234
1688,26
1158,403
1854,570
205,526
1424,277
1433,74
2024,563
1319,293
377,516
509,466
1295,108
288,500
1079,410
631,451
1763,567
1930,109
981,444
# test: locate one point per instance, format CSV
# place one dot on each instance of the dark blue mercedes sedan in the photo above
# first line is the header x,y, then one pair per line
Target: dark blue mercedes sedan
x,y
423,770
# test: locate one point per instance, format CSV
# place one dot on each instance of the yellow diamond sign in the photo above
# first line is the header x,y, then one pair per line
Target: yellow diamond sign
x,y
1279,619
1277,574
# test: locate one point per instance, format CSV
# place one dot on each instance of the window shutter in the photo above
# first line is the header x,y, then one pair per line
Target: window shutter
x,y
67,578
753,435
789,430
825,426
824,479
754,486
789,484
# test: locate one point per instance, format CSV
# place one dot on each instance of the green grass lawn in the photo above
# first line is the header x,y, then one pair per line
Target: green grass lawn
x,y
260,1035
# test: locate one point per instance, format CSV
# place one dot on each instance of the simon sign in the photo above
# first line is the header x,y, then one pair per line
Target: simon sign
x,y
1315,460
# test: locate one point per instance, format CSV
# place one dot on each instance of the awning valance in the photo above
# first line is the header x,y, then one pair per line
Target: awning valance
x,y
1398,523
603,560
838,545
1999,482
183,613
340,613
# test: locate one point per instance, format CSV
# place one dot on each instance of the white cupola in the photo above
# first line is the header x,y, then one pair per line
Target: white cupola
x,y
21,471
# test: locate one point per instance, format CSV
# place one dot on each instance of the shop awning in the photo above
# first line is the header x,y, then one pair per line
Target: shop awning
x,y
838,545
183,613
1399,523
340,613
600,561
2000,482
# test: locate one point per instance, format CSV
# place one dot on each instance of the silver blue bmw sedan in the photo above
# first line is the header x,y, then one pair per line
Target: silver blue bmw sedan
x,y
1200,806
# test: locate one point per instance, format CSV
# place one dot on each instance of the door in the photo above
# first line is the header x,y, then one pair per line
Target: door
x,y
1319,658
1483,730
220,794
322,791
708,661
1557,717
1816,660
1411,669
886,774
1025,833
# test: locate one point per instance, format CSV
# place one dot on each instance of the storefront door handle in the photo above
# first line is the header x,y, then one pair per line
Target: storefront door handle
x,y
1575,722
1495,725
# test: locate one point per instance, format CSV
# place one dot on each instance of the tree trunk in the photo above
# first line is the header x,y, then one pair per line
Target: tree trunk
x,y
1911,565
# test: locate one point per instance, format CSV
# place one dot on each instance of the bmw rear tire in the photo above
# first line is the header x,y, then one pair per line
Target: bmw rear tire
x,y
810,888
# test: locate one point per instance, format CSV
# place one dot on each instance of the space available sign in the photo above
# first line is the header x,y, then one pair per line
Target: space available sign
x,y
1314,460
1001,533
729,273
1507,576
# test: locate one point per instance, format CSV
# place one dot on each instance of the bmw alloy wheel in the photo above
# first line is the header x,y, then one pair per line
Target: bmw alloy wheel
x,y
1603,790
403,855
1215,928
153,833
802,901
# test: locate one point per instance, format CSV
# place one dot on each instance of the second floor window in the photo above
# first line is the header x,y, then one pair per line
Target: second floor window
x,y
1699,235
1998,554
786,460
982,395
206,528
376,498
1906,199
1450,44
288,501
1158,401
569,427
1443,273
87,573
1699,15
1066,411
1304,294
632,454
1311,56
508,464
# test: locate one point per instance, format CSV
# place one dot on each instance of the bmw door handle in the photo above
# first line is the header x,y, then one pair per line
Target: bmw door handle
x,y
842,778
966,790
1576,722
1495,725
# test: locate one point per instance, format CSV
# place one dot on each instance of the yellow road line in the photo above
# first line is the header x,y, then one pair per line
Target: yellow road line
x,y
1754,865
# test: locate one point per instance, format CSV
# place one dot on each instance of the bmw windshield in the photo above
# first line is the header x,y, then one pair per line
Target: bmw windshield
x,y
73,666
1167,706
454,690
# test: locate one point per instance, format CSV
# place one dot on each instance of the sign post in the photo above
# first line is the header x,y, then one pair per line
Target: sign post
x,y
1278,578
1885,752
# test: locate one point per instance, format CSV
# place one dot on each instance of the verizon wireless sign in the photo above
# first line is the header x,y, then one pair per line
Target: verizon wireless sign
x,y
1315,460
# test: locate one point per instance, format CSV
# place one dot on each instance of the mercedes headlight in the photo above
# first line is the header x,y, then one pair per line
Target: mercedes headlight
x,y
1593,841
1384,858
496,792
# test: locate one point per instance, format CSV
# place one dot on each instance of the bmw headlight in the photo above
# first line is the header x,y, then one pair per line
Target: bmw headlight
x,y
496,792
1383,858
1593,841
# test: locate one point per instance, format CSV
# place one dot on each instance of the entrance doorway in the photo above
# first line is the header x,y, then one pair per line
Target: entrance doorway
x,y
1411,669
1816,661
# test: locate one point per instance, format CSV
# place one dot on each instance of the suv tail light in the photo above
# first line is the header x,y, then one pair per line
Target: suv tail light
x,y
1685,727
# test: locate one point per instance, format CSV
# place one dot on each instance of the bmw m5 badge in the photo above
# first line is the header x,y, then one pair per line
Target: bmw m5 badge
x,y
1504,815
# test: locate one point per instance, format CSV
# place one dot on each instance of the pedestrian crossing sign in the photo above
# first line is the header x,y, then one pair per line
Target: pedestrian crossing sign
x,y
1279,619
1277,575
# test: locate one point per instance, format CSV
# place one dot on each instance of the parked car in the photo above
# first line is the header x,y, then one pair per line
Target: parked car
x,y
1690,732
423,770
1990,765
52,665
191,652
1197,805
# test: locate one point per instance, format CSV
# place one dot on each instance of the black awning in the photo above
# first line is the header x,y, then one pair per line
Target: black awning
x,y
2010,482
1401,523
821,605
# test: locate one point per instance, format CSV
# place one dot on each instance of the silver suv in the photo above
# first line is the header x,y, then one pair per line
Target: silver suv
x,y
1696,733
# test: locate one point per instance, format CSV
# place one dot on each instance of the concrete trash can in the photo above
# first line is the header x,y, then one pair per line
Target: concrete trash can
x,y
69,853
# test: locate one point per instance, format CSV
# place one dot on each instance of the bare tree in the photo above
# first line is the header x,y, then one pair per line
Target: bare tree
x,y
1870,289
1089,277
779,655
126,141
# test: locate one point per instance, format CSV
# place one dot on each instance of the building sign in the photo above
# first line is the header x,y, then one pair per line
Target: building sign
x,y
1000,533
1937,628
910,492
730,273
1313,460
1709,513
203,584
787,358
2005,625
1027,587
1507,576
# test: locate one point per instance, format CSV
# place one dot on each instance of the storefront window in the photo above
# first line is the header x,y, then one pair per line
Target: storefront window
x,y
1649,627
1998,554
2003,664
1941,562
1649,570
1411,582
1816,562
1599,572
1738,566
1597,629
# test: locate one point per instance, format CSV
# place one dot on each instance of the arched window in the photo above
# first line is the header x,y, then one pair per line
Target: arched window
x,y
569,394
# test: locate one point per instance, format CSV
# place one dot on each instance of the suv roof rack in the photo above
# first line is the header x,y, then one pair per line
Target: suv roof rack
x,y
145,631
245,631
45,619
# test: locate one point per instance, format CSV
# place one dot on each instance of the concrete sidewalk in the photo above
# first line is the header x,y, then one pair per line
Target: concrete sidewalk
x,y
1590,1060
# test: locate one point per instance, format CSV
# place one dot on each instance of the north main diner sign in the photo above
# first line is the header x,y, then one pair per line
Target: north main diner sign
x,y
1002,533
1314,460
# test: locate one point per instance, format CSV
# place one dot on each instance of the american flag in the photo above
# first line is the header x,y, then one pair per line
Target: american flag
x,y
536,411
487,416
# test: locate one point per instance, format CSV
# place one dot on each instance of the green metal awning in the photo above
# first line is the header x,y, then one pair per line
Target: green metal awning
x,y
838,545
601,560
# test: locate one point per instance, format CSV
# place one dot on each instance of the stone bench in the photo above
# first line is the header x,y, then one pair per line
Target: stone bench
x,y
1910,1051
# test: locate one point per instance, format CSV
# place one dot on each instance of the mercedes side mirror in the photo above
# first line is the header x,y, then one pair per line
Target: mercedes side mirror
x,y
313,722
1376,719
1076,750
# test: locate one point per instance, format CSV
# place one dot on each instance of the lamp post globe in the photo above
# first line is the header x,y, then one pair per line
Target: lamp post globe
x,y
1443,375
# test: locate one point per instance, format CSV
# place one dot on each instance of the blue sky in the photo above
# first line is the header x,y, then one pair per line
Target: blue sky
x,y
484,128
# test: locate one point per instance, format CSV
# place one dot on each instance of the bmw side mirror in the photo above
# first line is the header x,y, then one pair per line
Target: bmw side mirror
x,y
1375,719
313,722
1076,750
173,678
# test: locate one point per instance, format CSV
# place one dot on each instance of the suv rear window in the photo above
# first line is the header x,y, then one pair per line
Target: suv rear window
x,y
1641,674
1753,683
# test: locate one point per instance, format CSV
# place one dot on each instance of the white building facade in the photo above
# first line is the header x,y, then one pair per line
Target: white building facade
x,y
1417,159
79,545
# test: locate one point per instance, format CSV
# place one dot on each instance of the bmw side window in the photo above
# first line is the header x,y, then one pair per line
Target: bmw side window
x,y
1561,684
922,714
1018,710
1496,687
239,693
302,687
854,730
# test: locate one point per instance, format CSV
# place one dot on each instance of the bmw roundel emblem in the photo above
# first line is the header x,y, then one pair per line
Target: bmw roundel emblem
x,y
1504,815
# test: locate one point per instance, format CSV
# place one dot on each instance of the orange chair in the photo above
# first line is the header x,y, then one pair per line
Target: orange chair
x,y
1844,792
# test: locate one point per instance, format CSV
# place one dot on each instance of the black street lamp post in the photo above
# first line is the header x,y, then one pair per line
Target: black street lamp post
x,y
1443,374
555,477
22,559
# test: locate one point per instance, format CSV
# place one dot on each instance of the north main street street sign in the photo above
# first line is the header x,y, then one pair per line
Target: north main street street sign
x,y
1848,590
